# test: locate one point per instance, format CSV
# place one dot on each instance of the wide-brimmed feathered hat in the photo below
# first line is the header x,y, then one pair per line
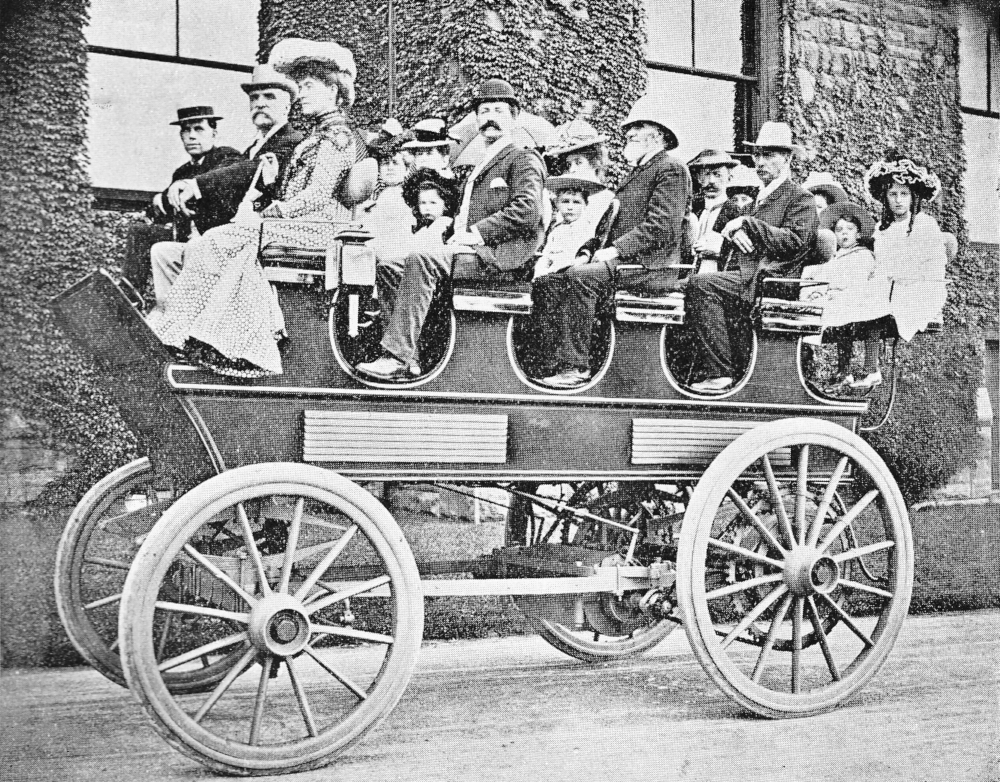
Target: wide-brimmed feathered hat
x,y
823,183
829,217
902,171
573,136
425,178
581,181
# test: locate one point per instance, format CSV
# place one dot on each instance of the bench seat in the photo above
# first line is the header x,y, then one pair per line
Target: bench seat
x,y
667,309
791,317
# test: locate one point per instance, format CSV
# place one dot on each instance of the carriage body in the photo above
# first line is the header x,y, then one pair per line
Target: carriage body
x,y
757,519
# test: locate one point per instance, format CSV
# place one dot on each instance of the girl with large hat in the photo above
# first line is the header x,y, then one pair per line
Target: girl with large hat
x,y
222,309
909,245
580,152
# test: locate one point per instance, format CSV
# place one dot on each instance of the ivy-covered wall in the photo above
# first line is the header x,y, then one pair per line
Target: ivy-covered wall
x,y
863,76
48,232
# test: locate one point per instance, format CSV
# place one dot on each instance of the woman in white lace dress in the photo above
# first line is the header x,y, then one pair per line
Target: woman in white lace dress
x,y
221,309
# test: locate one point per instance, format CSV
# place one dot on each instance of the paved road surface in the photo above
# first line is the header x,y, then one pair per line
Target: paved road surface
x,y
516,709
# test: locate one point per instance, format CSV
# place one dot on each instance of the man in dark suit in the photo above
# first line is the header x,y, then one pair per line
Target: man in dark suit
x,y
643,226
772,241
198,129
498,228
711,169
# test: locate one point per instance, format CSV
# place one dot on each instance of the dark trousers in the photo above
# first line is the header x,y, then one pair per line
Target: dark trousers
x,y
718,311
138,242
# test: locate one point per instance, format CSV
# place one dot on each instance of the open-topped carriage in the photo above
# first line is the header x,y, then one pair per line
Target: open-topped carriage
x,y
758,519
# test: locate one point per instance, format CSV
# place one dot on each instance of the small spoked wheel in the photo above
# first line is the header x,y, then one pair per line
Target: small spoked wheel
x,y
795,567
100,540
309,580
595,628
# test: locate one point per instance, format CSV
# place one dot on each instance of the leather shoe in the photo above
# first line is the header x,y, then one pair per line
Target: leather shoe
x,y
571,378
715,385
388,367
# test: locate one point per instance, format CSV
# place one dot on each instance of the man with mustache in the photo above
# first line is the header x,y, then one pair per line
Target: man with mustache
x,y
712,170
773,241
498,228
216,195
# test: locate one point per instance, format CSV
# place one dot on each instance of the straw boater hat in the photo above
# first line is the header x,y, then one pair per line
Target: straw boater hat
x,y
902,171
290,52
264,77
828,219
493,91
823,183
195,113
775,135
712,158
429,133
588,184
573,136
649,108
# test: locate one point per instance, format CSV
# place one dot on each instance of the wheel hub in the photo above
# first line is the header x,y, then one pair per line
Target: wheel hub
x,y
810,572
279,625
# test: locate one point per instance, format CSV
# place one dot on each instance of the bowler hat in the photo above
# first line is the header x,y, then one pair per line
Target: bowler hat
x,y
588,184
195,113
712,158
829,217
648,109
823,183
495,90
775,135
264,77
429,133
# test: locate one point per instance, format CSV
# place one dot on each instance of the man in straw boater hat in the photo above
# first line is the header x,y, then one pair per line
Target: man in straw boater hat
x,y
220,191
497,230
643,225
198,129
772,241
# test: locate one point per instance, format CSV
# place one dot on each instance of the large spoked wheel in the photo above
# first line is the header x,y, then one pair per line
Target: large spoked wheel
x,y
795,618
310,579
595,628
97,547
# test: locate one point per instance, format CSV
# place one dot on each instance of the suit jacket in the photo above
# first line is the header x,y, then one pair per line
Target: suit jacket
x,y
648,228
505,206
222,189
783,230
203,218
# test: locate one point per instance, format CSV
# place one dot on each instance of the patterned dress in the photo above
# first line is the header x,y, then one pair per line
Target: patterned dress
x,y
221,297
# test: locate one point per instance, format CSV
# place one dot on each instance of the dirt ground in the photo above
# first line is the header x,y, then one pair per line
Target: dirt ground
x,y
517,709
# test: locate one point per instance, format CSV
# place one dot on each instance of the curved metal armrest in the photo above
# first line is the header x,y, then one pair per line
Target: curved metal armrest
x,y
802,283
135,298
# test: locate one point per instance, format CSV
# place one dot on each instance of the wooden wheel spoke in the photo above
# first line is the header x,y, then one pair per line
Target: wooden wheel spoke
x,y
801,487
754,519
854,553
258,704
224,577
336,597
218,613
753,615
251,544
848,584
103,601
797,645
325,563
848,620
744,553
227,682
350,632
164,635
741,586
777,501
826,502
361,694
772,636
202,651
300,696
848,518
112,563
293,542
824,645
114,644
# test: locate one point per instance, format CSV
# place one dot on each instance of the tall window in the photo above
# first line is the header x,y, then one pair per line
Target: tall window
x,y
149,59
698,57
979,76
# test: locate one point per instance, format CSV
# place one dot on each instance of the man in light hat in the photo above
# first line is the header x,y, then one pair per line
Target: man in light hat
x,y
217,194
431,146
712,170
643,226
497,230
198,129
772,241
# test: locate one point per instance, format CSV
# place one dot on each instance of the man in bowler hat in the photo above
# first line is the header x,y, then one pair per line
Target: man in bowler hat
x,y
198,129
498,228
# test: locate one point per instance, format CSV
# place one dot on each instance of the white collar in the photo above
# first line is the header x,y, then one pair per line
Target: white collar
x,y
717,202
260,140
492,151
777,182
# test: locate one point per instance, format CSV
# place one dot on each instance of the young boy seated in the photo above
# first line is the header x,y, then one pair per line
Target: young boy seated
x,y
568,232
